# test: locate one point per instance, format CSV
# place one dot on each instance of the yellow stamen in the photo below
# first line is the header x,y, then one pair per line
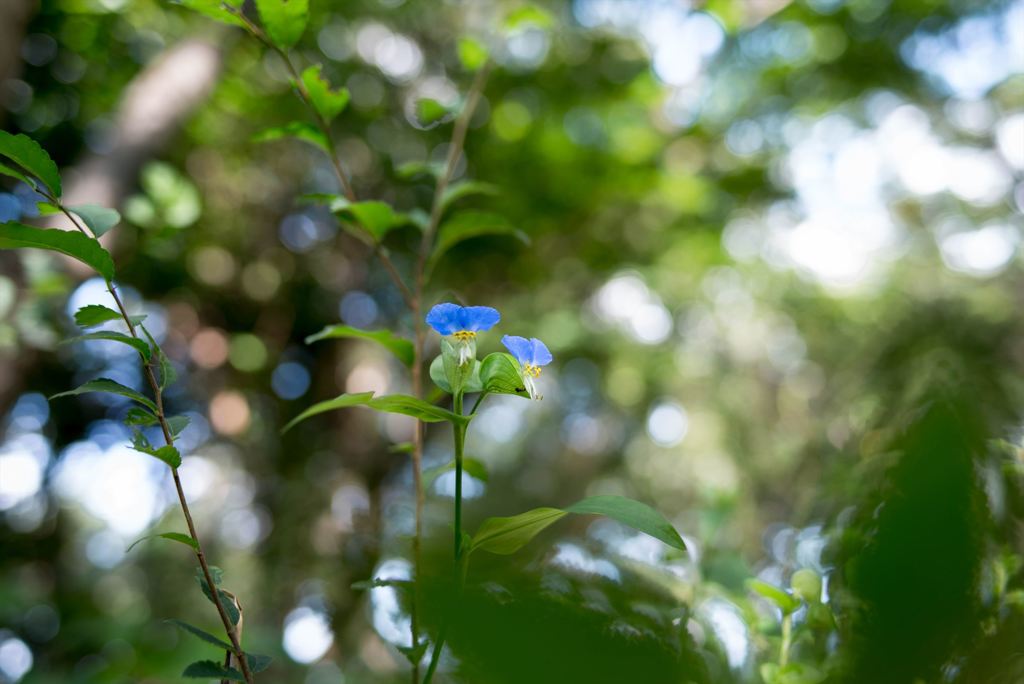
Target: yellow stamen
x,y
531,370
464,335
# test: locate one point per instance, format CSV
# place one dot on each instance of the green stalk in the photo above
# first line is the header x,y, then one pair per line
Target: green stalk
x,y
787,637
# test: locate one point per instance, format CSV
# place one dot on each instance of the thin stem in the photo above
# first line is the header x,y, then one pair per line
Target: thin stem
x,y
787,637
229,627
477,403
459,430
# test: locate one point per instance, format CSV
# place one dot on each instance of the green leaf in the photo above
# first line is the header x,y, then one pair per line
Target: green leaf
x,y
508,535
414,654
785,602
430,111
210,669
82,247
471,224
177,424
111,387
328,103
95,314
529,15
133,342
225,598
203,636
167,373
295,129
99,219
173,536
470,466
458,375
409,170
168,454
417,408
472,53
460,189
378,218
440,378
501,374
47,209
637,515
399,346
258,663
14,173
28,154
140,416
214,9
285,20
343,401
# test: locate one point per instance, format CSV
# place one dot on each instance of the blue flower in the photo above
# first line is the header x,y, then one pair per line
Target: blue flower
x,y
531,355
462,322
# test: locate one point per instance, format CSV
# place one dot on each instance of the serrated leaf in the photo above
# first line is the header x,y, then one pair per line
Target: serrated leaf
x,y
30,156
226,600
501,374
472,224
343,401
328,103
399,346
95,314
508,535
140,416
472,53
133,342
635,514
14,173
284,20
213,9
99,219
430,111
467,188
173,536
168,454
783,600
210,669
200,634
295,129
472,384
15,235
111,387
167,373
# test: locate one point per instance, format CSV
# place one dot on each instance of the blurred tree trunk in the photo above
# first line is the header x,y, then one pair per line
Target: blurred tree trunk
x,y
14,16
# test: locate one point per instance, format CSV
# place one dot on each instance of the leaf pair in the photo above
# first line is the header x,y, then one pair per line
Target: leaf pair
x,y
508,535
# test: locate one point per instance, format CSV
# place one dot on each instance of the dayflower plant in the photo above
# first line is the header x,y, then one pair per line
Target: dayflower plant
x,y
531,355
462,323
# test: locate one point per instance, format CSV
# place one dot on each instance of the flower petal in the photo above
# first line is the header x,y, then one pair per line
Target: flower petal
x,y
519,347
539,353
444,318
477,318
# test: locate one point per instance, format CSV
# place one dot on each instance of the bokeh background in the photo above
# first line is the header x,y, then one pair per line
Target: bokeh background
x,y
774,247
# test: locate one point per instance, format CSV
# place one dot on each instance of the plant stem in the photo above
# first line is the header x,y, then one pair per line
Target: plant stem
x,y
787,636
229,627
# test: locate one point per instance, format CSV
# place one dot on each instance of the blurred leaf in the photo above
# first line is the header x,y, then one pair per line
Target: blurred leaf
x,y
74,244
470,224
213,9
414,654
430,111
29,155
95,314
284,20
111,387
343,401
14,173
806,584
177,423
133,342
295,129
412,169
204,636
209,669
173,536
399,346
258,663
529,15
784,601
466,188
508,535
470,466
48,209
472,53
635,514
328,103
99,219
378,218
501,375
